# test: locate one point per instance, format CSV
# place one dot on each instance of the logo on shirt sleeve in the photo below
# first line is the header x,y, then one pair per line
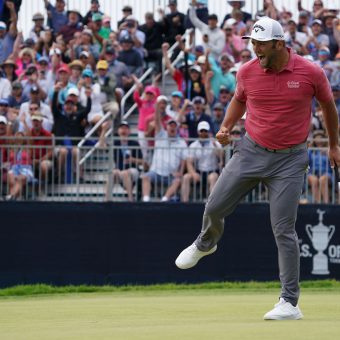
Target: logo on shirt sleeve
x,y
292,84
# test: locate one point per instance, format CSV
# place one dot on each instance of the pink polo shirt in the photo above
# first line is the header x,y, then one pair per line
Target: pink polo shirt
x,y
279,104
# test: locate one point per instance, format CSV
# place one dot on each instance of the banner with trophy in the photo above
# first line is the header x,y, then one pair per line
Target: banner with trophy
x,y
319,237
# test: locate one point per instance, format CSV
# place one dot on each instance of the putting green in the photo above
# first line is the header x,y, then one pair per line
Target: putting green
x,y
201,314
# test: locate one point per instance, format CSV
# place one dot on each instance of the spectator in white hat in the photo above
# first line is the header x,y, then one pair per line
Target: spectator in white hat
x,y
204,162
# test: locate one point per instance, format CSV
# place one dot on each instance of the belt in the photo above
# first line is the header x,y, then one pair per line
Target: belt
x,y
288,150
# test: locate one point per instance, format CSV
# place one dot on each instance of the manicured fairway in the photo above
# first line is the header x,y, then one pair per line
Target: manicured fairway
x,y
183,314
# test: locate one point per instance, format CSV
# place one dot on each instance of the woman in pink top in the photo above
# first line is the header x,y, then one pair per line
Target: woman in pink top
x,y
146,108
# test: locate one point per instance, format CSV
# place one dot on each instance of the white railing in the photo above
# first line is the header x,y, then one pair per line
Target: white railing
x,y
93,181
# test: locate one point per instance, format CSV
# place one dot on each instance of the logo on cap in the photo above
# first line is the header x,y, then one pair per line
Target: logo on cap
x,y
257,27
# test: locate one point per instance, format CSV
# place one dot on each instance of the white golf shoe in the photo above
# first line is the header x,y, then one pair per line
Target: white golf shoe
x,y
190,256
284,310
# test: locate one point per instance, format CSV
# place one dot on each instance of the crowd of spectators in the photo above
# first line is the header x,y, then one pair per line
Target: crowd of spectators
x,y
73,68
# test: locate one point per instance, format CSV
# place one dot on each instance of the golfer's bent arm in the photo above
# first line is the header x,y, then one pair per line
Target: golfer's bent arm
x,y
235,111
331,118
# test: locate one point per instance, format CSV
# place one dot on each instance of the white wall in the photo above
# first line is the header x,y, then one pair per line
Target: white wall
x,y
113,8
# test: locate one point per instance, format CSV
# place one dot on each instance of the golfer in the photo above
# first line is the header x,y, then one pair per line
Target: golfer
x,y
276,90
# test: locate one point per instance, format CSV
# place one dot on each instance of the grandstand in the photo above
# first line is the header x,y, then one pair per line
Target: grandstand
x,y
62,54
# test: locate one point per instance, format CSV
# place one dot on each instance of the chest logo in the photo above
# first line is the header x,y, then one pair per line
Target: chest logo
x,y
292,84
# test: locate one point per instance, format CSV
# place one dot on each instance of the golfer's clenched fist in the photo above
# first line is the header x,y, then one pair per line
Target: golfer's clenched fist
x,y
223,136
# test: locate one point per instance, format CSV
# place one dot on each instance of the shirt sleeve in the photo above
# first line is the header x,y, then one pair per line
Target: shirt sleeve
x,y
240,94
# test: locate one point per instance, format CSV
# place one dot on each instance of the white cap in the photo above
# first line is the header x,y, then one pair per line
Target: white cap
x,y
201,59
161,98
3,119
197,68
54,51
266,29
73,91
203,125
229,23
3,25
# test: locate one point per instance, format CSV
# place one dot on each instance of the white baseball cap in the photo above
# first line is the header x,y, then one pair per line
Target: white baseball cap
x,y
203,125
266,29
3,119
73,91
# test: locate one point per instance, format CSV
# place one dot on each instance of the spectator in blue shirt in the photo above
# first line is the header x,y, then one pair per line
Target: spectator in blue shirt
x,y
57,16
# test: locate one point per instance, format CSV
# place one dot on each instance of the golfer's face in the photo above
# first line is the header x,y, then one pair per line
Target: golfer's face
x,y
265,52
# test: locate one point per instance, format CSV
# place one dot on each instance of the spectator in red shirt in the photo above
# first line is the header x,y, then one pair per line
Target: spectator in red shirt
x,y
42,147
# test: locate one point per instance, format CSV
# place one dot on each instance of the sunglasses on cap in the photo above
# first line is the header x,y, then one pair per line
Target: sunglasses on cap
x,y
235,132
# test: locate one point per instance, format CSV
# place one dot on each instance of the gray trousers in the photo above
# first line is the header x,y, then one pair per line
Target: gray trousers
x,y
283,174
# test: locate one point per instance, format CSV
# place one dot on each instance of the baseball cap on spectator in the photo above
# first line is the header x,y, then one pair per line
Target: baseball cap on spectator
x,y
324,50
151,89
177,94
102,65
87,73
10,62
127,9
97,17
31,68
198,100
17,85
3,120
226,56
162,98
229,23
212,17
106,19
304,14
170,121
172,2
3,102
95,2
3,25
54,51
43,59
110,50
84,54
199,49
196,68
74,11
76,63
182,64
63,68
124,123
203,125
201,59
242,3
218,106
266,29
88,32
317,22
131,18
28,43
37,16
73,91
223,89
126,39
291,21
34,89
37,116
329,14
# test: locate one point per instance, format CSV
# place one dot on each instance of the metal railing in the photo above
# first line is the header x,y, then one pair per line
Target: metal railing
x,y
111,173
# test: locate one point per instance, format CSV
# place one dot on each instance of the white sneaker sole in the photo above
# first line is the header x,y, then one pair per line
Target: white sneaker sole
x,y
192,264
280,317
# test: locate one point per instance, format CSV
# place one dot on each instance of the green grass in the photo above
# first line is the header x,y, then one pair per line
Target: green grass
x,y
38,289
211,313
